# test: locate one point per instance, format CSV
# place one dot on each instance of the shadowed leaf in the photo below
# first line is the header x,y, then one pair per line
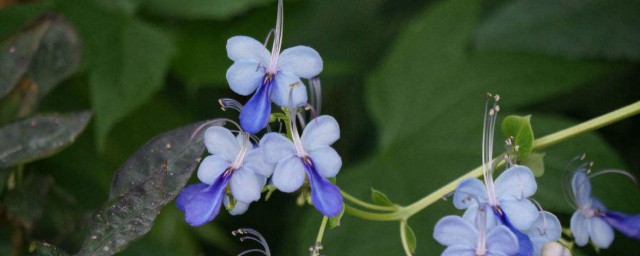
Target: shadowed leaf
x,y
535,162
149,180
40,136
45,249
519,127
380,198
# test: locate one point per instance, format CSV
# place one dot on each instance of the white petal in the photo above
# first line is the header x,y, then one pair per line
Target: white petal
x,y
470,191
288,84
320,132
453,230
516,182
220,141
211,168
581,187
580,228
246,48
302,61
521,213
238,208
254,160
327,161
245,185
456,250
289,174
601,233
501,240
276,147
245,76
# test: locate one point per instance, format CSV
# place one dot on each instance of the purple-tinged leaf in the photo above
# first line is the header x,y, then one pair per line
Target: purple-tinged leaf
x,y
40,136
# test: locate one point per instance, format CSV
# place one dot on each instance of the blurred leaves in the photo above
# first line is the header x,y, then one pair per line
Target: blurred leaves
x,y
201,9
45,249
519,127
535,162
40,136
598,29
149,180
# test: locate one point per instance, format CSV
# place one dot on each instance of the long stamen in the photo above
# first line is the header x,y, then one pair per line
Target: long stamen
x,y
294,127
542,231
277,40
237,163
217,121
316,94
247,232
567,177
481,224
608,171
228,103
489,123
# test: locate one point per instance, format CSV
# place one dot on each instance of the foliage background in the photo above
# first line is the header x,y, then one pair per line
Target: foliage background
x,y
405,80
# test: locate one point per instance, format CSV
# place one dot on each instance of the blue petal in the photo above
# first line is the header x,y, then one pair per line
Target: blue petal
x,y
276,147
288,84
247,48
255,114
581,187
516,182
327,161
289,174
320,132
187,193
545,229
521,213
204,205
455,231
456,250
220,141
580,228
601,233
254,160
525,246
246,186
245,76
302,61
627,224
211,168
238,208
469,192
325,196
501,240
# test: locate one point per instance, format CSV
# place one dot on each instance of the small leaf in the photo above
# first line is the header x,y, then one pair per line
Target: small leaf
x,y
149,180
411,238
45,249
535,162
380,198
519,127
40,136
335,220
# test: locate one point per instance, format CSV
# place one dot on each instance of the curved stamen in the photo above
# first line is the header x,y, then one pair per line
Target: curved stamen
x,y
256,237
277,40
616,171
297,142
490,117
543,231
237,163
567,178
217,121
228,103
316,94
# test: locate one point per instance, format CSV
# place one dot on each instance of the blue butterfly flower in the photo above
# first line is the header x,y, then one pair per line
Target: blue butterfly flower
x,y
270,75
234,163
463,238
545,229
592,221
309,156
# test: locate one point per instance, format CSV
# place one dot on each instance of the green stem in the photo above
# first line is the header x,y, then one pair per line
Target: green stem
x,y
323,225
403,237
367,205
405,212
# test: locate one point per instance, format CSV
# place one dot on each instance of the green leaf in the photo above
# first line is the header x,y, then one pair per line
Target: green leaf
x,y
519,127
380,198
149,180
583,29
201,9
335,220
44,249
535,162
40,136
411,238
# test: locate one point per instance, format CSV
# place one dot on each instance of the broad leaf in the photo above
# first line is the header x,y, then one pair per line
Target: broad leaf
x,y
45,249
519,127
149,180
535,162
40,136
577,29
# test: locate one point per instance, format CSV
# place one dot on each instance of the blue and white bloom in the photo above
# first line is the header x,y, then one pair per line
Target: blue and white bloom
x,y
592,221
545,229
463,238
233,162
309,156
270,75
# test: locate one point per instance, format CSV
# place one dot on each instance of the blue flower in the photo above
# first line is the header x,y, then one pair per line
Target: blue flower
x,y
233,162
545,229
592,221
463,238
309,156
270,75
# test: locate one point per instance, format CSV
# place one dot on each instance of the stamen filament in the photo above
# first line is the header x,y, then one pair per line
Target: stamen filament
x,y
277,41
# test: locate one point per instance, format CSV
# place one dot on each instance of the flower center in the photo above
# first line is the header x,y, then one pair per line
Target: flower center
x,y
237,163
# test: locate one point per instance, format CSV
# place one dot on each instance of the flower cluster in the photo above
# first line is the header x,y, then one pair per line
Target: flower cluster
x,y
591,220
501,217
241,166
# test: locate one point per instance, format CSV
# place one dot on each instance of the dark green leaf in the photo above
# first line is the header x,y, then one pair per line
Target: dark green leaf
x,y
335,221
380,198
577,29
149,180
519,127
411,238
44,249
40,136
201,9
535,162
26,201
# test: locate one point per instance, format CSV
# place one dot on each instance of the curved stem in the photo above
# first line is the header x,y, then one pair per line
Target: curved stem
x,y
403,237
372,216
364,204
